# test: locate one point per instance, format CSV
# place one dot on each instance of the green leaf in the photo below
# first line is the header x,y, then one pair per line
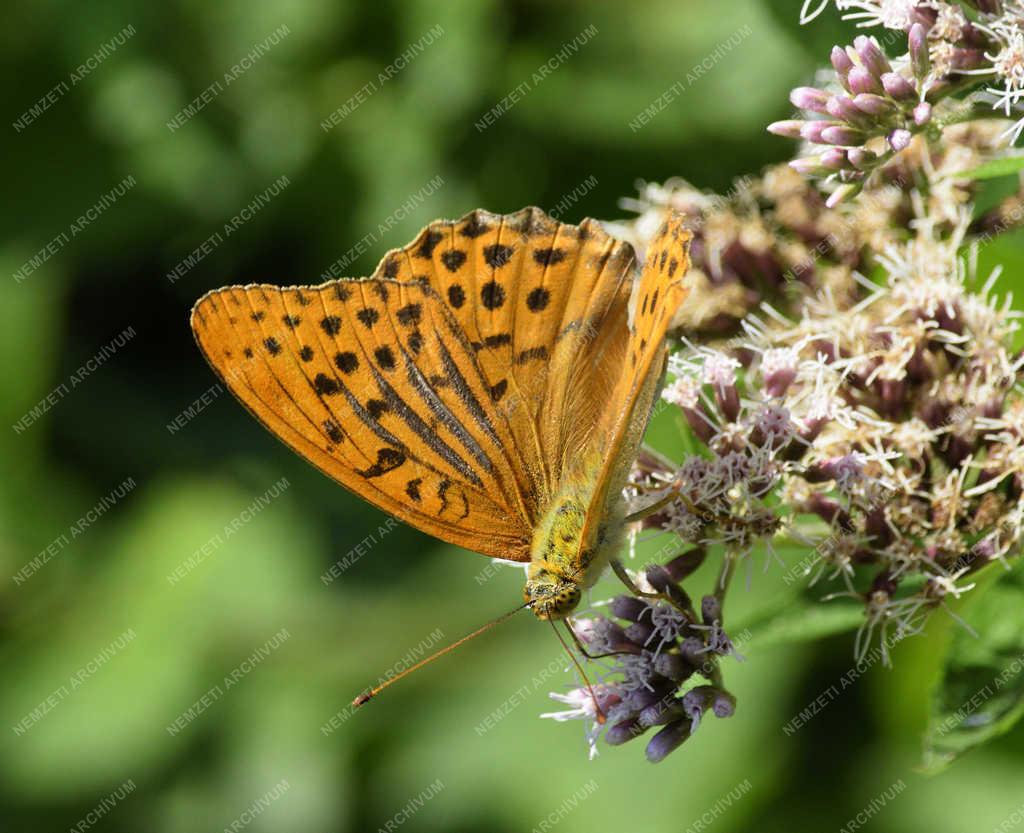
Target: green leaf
x,y
980,691
793,620
1004,166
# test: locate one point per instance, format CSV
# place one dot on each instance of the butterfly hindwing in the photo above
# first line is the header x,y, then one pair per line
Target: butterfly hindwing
x,y
372,381
657,295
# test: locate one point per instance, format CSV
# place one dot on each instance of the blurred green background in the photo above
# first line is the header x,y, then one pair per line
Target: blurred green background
x,y
132,615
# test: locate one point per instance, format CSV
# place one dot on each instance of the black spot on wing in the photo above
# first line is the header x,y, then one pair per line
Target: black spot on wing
x,y
548,257
324,385
331,325
346,362
474,228
492,295
497,255
537,299
333,431
385,358
368,316
430,241
272,345
453,259
456,295
409,315
532,354
388,459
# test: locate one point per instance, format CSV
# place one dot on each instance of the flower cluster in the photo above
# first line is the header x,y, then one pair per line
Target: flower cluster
x,y
847,379
772,238
663,673
869,107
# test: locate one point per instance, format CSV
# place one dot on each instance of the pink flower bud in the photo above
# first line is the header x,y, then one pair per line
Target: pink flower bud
x,y
899,139
809,98
898,87
862,81
845,136
790,128
917,42
871,55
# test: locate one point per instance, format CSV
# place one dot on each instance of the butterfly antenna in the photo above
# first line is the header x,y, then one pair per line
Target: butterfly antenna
x,y
373,692
599,715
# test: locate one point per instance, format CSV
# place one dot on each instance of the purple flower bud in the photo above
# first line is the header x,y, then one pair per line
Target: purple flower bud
x,y
696,701
630,607
684,565
692,650
841,61
899,139
871,55
673,667
873,105
699,422
723,704
789,128
667,741
658,577
624,731
809,98
917,42
922,113
640,699
661,712
845,136
862,81
898,87
639,632
710,610
604,636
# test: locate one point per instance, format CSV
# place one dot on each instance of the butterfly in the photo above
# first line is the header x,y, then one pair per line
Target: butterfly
x,y
488,384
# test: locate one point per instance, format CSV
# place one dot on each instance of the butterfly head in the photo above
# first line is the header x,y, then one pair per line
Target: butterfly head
x,y
551,596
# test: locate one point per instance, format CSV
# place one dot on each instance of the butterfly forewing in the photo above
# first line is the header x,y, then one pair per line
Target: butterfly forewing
x,y
537,300
465,381
373,382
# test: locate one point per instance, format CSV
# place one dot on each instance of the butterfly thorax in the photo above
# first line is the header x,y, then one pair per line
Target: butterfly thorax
x,y
567,554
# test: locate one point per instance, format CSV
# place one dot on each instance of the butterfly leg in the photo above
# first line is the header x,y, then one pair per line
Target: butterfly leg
x,y
674,493
680,602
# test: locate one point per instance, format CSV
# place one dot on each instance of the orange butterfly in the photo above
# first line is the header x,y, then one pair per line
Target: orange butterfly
x,y
489,384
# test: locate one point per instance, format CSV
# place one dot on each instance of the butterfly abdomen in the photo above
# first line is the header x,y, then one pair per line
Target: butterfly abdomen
x,y
563,561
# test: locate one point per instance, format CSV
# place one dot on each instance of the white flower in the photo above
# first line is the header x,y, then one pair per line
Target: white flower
x,y
583,708
684,392
720,370
892,14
